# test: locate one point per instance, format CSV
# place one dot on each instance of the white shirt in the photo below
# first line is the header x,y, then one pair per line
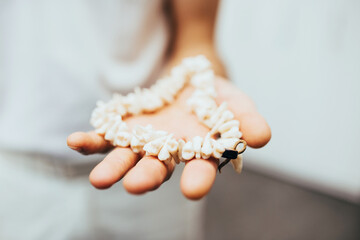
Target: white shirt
x,y
57,58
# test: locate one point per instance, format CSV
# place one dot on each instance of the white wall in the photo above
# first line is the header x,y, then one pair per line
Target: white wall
x,y
300,61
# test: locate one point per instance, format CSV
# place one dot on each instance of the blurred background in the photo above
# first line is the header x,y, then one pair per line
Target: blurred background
x,y
300,62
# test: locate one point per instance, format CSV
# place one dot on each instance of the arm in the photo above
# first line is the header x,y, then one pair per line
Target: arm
x,y
192,25
193,29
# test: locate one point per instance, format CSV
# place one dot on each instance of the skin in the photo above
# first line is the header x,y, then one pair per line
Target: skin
x,y
192,23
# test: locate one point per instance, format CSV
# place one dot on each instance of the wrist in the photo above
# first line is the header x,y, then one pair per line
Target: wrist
x,y
206,49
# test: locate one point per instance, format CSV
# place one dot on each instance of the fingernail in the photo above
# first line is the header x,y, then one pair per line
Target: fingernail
x,y
79,149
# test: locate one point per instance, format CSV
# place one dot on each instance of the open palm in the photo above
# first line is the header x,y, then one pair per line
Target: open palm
x,y
146,173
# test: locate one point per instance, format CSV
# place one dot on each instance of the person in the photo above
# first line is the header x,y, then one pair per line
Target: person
x,y
57,59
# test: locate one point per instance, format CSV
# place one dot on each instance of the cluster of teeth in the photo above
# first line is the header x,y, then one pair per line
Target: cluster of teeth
x,y
107,118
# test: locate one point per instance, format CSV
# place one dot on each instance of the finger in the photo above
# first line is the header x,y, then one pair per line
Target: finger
x,y
88,143
113,167
256,131
148,174
198,177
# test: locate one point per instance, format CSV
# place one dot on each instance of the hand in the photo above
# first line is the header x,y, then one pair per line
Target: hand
x,y
146,173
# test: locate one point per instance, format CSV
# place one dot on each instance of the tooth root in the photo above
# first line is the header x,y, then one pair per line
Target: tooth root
x,y
180,148
237,164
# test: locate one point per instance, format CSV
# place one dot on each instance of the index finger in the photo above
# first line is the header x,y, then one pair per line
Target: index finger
x,y
88,143
198,177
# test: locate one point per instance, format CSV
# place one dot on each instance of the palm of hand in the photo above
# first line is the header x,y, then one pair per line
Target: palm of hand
x,y
146,173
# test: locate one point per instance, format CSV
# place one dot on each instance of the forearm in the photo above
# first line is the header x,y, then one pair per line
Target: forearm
x,y
193,24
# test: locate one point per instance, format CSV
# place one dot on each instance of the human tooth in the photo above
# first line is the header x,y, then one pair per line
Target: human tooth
x,y
136,144
188,151
152,134
150,101
113,126
179,157
203,80
172,145
153,148
197,143
218,149
228,143
226,116
232,133
196,64
228,125
237,163
164,153
217,115
206,148
122,139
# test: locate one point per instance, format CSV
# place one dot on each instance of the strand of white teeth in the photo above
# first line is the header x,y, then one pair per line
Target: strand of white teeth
x,y
107,118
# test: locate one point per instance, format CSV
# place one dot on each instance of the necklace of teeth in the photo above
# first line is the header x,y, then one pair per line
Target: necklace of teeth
x,y
107,118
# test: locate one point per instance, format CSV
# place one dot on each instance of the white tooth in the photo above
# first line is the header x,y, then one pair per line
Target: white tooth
x,y
181,144
206,148
232,133
228,125
228,143
203,80
172,145
122,139
136,144
169,148
152,135
197,143
218,149
226,116
153,147
188,151
112,130
237,163
164,153
196,64
216,115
